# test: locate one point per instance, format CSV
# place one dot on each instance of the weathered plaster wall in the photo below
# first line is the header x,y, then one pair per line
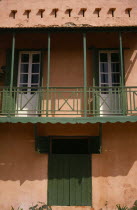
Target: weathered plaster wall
x,y
91,18
23,176
114,171
23,172
130,59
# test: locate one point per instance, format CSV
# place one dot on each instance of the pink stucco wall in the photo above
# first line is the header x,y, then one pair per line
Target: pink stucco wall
x,y
91,18
23,176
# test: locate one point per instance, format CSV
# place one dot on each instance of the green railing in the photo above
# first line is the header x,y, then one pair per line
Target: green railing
x,y
68,101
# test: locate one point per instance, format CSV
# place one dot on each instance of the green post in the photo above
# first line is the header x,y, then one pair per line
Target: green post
x,y
85,74
11,77
122,74
12,61
48,76
121,59
94,66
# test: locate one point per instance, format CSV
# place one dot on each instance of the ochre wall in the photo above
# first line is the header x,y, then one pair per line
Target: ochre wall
x,y
114,171
23,176
121,17
23,172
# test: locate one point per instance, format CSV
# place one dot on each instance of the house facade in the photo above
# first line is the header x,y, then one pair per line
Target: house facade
x,y
68,104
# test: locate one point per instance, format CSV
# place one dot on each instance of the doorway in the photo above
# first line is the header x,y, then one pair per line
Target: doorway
x,y
109,81
69,180
28,82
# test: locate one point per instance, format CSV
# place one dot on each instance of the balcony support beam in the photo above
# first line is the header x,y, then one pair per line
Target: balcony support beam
x,y
48,76
85,73
12,61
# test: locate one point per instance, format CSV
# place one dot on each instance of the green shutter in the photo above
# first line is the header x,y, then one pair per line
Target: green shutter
x,y
95,66
41,67
9,99
8,68
94,145
95,71
42,144
16,63
69,180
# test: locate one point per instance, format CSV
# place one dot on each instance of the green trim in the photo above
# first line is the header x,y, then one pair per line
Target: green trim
x,y
64,120
85,74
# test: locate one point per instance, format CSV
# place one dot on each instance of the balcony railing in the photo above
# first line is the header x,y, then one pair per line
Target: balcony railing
x,y
68,101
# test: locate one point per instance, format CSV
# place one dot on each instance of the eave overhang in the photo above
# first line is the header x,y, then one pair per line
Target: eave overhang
x,y
82,28
64,120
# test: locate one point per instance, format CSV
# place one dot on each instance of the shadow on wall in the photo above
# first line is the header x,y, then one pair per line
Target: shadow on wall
x,y
130,57
118,151
19,161
129,66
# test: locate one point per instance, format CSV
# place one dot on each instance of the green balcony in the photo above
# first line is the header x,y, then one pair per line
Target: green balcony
x,y
68,101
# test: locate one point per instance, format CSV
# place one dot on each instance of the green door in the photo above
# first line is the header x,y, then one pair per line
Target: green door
x,y
69,180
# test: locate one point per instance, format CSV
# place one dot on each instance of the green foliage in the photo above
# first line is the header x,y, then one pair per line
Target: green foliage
x,y
134,206
39,206
122,207
17,208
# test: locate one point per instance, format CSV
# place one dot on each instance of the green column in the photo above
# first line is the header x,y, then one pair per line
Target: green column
x,y
48,75
48,67
12,61
121,59
85,74
124,103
